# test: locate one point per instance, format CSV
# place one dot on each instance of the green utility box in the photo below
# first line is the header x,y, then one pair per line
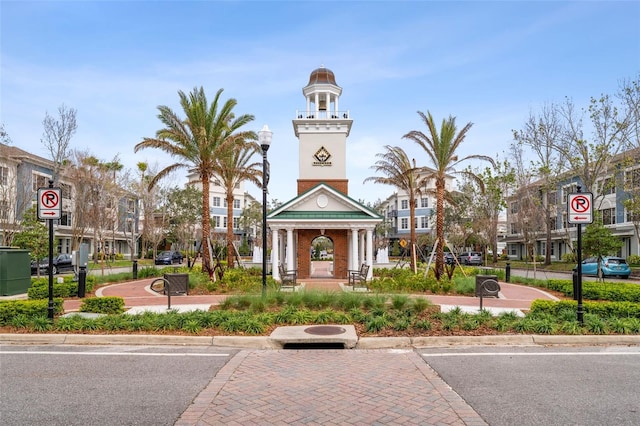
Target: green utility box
x,y
15,271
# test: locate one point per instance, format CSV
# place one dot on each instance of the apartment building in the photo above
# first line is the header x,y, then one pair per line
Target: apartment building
x,y
22,173
218,209
529,207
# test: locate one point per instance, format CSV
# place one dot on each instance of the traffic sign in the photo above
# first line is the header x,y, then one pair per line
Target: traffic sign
x,y
49,203
580,207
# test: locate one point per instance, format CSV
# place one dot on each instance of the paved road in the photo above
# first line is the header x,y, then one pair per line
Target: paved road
x,y
544,385
498,385
103,385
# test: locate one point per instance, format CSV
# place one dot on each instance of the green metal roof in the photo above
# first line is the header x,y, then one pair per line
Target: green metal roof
x,y
302,215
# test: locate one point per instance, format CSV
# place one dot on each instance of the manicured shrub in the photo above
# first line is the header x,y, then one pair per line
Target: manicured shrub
x,y
103,305
29,308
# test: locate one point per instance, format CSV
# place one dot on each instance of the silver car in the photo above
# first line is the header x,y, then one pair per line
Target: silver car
x,y
470,258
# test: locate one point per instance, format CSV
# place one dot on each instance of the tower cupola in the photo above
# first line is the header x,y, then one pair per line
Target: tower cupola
x,y
322,94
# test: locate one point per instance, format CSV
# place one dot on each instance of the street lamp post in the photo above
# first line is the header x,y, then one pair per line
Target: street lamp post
x,y
264,138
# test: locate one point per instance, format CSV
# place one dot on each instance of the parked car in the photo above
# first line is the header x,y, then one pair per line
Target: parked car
x,y
449,258
61,262
169,257
610,266
470,258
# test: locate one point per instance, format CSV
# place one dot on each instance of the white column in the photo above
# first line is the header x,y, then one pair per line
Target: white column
x,y
361,252
290,250
370,252
354,247
275,260
317,104
335,104
308,107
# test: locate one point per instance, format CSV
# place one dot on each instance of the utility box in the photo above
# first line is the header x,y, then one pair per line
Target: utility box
x,y
15,271
178,283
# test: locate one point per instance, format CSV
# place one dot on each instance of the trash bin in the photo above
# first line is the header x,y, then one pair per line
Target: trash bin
x,y
15,271
178,283
481,279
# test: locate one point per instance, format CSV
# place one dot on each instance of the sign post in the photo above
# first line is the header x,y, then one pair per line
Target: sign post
x,y
50,208
580,210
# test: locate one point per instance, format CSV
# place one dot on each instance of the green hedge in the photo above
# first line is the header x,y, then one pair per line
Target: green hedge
x,y
40,288
618,292
103,305
602,309
29,308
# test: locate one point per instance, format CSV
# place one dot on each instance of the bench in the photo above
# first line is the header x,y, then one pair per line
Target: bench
x,y
288,279
358,278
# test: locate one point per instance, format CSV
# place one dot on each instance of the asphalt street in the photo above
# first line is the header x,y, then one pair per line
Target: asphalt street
x,y
153,385
103,385
544,385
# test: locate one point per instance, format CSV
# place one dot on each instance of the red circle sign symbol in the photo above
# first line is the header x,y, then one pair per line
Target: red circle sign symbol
x,y
580,204
49,199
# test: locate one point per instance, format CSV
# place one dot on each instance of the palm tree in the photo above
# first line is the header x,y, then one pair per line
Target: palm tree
x,y
402,173
195,142
233,167
441,149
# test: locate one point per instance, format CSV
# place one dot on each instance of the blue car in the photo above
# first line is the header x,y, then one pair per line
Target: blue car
x,y
610,266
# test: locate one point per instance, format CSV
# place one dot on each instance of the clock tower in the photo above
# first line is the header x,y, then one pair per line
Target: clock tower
x,y
322,130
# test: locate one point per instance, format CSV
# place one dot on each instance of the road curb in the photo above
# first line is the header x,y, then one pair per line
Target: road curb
x,y
265,342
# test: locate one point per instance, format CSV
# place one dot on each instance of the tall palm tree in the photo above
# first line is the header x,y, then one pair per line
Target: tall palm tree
x,y
402,173
195,142
232,167
440,147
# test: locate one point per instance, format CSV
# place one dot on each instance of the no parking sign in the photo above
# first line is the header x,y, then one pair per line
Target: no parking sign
x,y
580,207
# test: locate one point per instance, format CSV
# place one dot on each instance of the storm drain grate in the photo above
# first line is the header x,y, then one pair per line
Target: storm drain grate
x,y
325,330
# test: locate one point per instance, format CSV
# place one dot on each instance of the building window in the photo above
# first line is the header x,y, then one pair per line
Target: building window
x,y
131,205
514,207
424,202
4,210
424,222
216,202
568,189
40,181
216,221
552,198
236,223
65,191
404,204
4,175
514,229
632,178
606,186
236,204
224,225
404,223
65,218
608,216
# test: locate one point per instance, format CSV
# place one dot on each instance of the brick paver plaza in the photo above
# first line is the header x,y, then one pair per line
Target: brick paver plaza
x,y
328,387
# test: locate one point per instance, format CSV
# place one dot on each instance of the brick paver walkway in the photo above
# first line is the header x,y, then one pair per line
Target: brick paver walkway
x,y
328,387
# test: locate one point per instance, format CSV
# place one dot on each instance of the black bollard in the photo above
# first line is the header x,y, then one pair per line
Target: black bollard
x,y
507,272
135,269
82,281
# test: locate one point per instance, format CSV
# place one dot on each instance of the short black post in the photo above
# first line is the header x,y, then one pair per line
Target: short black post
x,y
82,281
135,269
507,272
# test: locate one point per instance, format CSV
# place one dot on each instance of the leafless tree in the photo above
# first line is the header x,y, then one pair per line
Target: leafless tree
x,y
540,134
57,135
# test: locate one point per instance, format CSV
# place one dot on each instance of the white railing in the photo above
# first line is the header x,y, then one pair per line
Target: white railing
x,y
322,115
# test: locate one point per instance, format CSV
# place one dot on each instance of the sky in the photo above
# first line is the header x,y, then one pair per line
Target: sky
x,y
488,63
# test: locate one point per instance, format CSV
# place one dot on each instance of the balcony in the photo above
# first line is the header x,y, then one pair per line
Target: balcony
x,y
322,115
